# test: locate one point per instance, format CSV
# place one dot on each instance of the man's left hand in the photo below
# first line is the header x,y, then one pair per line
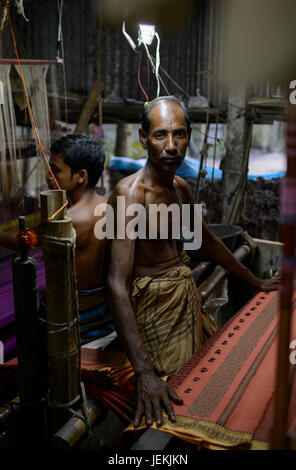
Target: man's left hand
x,y
268,285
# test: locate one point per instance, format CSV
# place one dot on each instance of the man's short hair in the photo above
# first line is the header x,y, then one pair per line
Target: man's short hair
x,y
81,152
145,118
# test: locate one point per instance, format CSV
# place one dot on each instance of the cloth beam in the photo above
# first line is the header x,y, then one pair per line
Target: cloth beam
x,y
228,385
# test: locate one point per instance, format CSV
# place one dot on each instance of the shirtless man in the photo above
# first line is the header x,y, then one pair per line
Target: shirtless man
x,y
77,162
165,133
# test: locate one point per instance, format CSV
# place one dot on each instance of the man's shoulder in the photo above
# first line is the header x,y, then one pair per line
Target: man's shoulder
x,y
129,187
184,187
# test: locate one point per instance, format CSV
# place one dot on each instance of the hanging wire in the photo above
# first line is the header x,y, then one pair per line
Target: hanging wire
x,y
170,78
153,67
157,64
153,64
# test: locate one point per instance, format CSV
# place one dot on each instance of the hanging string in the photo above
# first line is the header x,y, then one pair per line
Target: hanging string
x,y
28,237
28,103
60,43
60,8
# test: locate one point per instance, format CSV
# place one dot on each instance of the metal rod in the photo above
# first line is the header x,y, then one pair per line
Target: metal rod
x,y
220,273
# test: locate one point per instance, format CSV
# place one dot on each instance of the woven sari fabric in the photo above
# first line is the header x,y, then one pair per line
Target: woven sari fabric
x,y
228,385
169,317
107,375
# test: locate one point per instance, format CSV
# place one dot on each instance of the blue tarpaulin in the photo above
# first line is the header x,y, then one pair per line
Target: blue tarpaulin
x,y
188,169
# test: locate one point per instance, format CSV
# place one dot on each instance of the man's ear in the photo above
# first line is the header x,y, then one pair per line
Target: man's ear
x,y
143,138
81,176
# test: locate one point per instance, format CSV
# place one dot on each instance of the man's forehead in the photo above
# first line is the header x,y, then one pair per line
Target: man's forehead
x,y
166,113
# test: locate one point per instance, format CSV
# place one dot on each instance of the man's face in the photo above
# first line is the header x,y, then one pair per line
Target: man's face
x,y
168,137
62,173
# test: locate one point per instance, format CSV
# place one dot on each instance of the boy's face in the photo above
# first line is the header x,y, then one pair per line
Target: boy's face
x,y
62,173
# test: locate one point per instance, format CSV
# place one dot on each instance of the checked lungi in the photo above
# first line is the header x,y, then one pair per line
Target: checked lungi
x,y
170,319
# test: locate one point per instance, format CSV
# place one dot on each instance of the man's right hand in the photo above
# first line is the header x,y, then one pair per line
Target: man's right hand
x,y
153,394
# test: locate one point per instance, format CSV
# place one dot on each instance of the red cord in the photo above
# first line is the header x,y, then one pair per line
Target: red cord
x,y
139,80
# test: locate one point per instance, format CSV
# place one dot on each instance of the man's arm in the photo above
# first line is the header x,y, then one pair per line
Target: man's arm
x,y
152,391
223,256
8,240
219,253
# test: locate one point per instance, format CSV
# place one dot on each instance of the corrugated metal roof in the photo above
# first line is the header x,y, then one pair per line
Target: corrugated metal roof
x,y
184,54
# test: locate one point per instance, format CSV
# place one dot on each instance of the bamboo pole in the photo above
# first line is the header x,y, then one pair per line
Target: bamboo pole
x,y
75,428
235,164
288,219
31,343
58,244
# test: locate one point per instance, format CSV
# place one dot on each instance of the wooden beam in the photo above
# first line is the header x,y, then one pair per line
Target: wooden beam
x,y
89,107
